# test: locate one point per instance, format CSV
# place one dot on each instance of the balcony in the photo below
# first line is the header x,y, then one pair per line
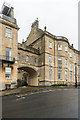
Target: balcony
x,y
7,59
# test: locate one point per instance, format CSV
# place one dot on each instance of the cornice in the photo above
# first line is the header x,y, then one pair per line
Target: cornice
x,y
13,26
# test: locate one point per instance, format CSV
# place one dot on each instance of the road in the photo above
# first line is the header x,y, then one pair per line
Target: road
x,y
59,103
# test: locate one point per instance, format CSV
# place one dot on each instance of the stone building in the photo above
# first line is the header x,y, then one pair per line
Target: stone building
x,y
8,47
43,59
56,60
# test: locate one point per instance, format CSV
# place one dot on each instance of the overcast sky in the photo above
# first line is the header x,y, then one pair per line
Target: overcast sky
x,y
60,17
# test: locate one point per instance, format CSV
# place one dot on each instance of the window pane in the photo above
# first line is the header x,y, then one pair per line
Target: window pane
x,y
27,58
8,33
8,72
78,70
50,61
59,62
70,67
66,63
8,53
18,56
70,54
71,77
50,44
59,74
50,73
59,47
75,58
35,60
66,48
65,75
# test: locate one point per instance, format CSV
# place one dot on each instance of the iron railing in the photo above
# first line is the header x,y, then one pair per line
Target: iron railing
x,y
7,58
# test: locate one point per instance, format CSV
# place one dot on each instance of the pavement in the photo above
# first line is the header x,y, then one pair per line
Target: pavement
x,y
31,90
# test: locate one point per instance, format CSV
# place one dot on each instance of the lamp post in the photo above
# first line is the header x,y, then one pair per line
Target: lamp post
x,y
75,75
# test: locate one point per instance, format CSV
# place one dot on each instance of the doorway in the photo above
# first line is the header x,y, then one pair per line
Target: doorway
x,y
25,79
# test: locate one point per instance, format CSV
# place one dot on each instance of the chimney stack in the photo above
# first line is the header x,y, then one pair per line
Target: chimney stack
x,y
35,24
72,45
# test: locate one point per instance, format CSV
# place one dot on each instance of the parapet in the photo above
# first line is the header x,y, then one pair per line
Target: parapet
x,y
7,13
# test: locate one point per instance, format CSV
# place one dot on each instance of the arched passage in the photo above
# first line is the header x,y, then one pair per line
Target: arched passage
x,y
32,78
25,79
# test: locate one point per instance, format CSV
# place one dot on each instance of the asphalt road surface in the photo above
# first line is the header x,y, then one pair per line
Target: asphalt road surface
x,y
60,103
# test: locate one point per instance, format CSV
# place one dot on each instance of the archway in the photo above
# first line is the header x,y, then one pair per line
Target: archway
x,y
31,77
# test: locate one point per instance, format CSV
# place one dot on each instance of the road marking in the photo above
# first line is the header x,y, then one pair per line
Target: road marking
x,y
19,96
59,89
65,89
32,93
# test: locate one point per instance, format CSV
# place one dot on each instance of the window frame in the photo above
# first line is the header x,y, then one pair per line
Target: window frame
x,y
50,73
70,77
59,65
27,58
70,55
75,57
50,44
50,60
66,48
8,33
65,75
60,74
66,63
78,70
8,53
35,60
70,67
19,56
8,73
60,48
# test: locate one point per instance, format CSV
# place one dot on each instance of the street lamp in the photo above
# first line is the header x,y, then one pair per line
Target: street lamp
x,y
75,74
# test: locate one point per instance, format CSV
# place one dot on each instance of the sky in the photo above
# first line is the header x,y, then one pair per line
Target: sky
x,y
59,16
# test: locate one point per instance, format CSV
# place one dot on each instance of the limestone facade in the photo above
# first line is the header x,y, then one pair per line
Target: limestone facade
x,y
8,48
57,60
43,59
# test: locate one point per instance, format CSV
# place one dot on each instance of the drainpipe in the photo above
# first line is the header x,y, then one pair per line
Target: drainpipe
x,y
54,60
75,75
